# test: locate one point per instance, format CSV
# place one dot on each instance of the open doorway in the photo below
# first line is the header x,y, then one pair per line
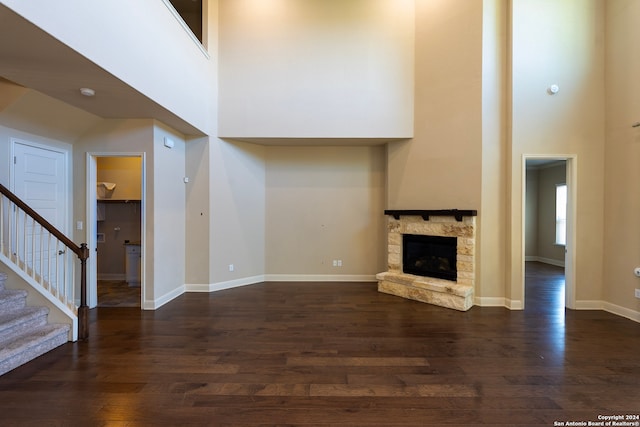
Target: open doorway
x,y
116,219
548,234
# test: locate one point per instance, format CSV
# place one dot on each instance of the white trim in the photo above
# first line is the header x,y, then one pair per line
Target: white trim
x,y
321,278
236,283
490,301
91,217
159,302
610,308
221,286
621,311
589,305
514,304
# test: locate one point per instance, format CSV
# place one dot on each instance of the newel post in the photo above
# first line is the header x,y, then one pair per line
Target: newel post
x,y
83,310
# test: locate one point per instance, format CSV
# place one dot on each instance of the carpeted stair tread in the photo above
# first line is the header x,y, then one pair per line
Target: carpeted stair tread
x,y
28,346
17,322
12,299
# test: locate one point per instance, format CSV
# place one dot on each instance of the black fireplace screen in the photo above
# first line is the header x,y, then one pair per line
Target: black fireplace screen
x,y
430,256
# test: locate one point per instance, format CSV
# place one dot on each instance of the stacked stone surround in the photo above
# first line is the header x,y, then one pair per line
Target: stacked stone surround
x,y
457,295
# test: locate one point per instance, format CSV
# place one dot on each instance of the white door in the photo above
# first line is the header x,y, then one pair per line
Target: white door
x,y
40,180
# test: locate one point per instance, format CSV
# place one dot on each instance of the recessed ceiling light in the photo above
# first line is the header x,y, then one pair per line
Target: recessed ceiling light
x,y
87,91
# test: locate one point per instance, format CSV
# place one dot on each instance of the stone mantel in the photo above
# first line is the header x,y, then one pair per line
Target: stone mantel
x,y
461,224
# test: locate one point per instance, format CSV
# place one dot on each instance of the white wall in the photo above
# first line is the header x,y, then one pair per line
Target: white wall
x,y
140,42
316,68
166,202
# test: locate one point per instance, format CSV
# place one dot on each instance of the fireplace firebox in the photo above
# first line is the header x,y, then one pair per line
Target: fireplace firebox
x,y
430,256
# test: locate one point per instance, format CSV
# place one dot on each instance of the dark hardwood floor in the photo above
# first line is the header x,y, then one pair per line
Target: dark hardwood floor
x,y
319,354
117,293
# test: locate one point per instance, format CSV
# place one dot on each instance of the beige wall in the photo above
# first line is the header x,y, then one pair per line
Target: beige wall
x,y
622,227
164,214
325,204
476,116
492,215
198,213
316,68
531,214
125,172
559,43
440,167
238,212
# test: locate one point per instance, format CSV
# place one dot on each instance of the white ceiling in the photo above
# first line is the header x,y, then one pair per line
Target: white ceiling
x,y
32,58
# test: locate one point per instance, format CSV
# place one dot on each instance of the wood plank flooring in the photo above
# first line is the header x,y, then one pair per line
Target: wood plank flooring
x,y
117,293
320,354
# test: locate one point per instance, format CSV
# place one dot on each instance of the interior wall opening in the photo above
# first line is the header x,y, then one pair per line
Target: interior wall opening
x,y
546,207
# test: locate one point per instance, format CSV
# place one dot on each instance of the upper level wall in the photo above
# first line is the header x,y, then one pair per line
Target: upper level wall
x,y
441,168
622,178
560,43
140,43
316,69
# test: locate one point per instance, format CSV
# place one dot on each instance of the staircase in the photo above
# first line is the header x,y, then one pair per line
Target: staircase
x,y
24,331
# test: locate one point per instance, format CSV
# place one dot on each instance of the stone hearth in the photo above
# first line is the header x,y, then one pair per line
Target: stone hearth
x,y
457,294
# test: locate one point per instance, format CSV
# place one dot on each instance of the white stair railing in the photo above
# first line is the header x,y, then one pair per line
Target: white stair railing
x,y
44,254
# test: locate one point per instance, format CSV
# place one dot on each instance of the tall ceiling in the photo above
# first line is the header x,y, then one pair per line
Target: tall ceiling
x,y
33,59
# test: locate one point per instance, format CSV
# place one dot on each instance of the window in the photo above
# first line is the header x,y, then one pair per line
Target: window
x,y
561,214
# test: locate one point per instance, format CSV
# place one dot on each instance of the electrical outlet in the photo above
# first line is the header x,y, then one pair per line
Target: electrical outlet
x,y
339,263
231,267
335,262
637,293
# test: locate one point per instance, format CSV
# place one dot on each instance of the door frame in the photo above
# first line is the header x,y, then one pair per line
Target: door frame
x,y
92,221
572,202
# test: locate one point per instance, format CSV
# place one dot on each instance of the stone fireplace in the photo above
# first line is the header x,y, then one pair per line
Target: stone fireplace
x,y
431,257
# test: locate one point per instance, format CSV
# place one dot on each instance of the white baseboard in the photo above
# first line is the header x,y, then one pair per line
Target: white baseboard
x,y
220,286
230,284
589,305
490,301
159,302
609,307
622,311
321,278
514,304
